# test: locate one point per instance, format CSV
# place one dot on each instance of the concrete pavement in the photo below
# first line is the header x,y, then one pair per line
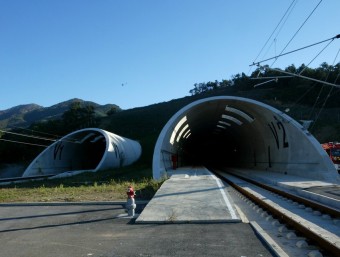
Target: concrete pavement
x,y
190,195
96,230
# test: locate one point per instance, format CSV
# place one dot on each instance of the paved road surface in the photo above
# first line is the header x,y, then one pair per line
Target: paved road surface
x,y
97,230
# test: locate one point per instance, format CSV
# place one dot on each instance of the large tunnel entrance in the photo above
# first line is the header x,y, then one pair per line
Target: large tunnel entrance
x,y
237,132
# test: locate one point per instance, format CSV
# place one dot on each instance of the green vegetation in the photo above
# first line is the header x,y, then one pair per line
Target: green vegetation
x,y
109,185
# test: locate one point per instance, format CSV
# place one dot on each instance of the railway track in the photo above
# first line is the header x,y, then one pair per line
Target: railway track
x,y
317,222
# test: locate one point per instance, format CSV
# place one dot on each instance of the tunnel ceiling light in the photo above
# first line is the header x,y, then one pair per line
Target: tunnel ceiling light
x,y
224,123
228,117
240,113
220,126
174,132
181,132
186,133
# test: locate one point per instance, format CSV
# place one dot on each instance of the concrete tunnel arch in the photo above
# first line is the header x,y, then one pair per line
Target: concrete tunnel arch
x,y
89,149
228,131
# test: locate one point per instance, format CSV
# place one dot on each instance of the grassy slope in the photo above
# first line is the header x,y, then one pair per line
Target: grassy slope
x,y
108,185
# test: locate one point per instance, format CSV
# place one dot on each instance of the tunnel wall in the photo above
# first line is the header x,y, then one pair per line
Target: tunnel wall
x,y
270,141
88,149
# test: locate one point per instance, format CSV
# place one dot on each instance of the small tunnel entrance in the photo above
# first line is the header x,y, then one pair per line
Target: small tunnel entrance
x,y
89,149
83,151
241,133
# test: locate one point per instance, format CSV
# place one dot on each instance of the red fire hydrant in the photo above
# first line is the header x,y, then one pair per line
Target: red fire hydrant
x,y
130,204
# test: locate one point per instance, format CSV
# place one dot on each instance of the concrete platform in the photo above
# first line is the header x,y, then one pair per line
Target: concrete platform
x,y
321,191
190,195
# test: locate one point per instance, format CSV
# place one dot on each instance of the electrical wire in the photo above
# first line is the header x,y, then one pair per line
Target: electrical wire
x,y
315,57
304,77
298,29
274,30
23,135
329,93
35,131
299,49
39,138
289,9
277,34
25,143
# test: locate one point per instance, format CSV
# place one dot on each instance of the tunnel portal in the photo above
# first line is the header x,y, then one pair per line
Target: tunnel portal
x,y
227,131
90,149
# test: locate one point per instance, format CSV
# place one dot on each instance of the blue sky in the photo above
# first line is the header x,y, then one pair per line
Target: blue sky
x,y
139,52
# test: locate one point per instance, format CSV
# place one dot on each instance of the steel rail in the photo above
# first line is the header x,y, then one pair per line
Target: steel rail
x,y
315,205
319,239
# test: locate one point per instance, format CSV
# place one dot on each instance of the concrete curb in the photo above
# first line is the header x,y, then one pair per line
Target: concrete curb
x,y
271,244
187,221
69,203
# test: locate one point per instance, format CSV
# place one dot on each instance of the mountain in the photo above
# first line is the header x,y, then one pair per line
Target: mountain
x,y
24,115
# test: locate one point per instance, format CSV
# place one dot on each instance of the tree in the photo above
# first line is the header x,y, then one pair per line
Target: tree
x,y
113,110
78,117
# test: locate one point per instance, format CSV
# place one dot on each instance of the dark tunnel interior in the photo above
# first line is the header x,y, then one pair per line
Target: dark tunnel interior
x,y
87,151
212,147
221,134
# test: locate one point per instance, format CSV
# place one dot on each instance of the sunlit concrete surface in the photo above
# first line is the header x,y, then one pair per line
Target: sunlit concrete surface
x,y
192,194
90,149
228,131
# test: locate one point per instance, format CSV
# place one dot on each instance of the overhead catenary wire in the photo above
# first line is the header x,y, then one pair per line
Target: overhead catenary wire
x,y
298,29
315,58
330,91
293,51
304,77
285,14
282,21
310,88
271,77
24,135
278,32
20,142
39,138
35,131
260,84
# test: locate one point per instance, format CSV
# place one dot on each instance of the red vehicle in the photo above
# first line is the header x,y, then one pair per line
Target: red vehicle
x,y
333,150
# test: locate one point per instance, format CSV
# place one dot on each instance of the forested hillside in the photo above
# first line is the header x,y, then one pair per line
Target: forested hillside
x,y
25,115
300,98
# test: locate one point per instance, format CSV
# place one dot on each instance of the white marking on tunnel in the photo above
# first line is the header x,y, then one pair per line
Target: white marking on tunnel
x,y
181,132
226,200
224,123
186,134
174,132
228,117
239,112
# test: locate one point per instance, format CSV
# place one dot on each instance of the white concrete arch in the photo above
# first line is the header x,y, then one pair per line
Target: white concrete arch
x,y
238,132
89,149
